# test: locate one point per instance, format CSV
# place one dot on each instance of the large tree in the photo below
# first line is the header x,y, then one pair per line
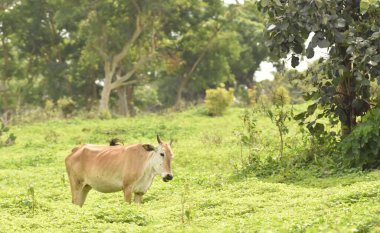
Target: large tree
x,y
122,35
207,47
249,25
40,55
350,30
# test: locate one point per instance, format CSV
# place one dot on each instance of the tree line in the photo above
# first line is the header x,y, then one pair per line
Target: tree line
x,y
114,55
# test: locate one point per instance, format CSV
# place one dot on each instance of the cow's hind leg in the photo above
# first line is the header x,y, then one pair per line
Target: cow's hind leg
x,y
82,194
138,198
79,191
128,194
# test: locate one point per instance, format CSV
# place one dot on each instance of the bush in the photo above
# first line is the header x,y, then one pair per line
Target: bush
x,y
217,100
264,101
281,96
66,105
146,98
10,136
252,93
242,96
362,148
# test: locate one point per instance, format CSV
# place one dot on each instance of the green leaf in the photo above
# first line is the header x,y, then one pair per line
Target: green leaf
x,y
323,43
300,116
278,3
319,128
309,52
311,108
264,3
364,5
295,61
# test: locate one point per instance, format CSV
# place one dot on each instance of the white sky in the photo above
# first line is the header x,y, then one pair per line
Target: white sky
x,y
233,1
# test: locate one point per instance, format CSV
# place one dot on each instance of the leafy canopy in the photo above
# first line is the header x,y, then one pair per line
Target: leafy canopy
x,y
350,30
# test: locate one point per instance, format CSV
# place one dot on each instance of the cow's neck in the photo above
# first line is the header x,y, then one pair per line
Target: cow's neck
x,y
152,164
145,181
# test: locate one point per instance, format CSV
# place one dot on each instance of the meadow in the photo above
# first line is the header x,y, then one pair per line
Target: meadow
x,y
209,192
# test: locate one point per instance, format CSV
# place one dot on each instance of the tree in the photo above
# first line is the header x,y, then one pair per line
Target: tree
x,y
192,34
249,25
42,56
209,47
123,34
350,30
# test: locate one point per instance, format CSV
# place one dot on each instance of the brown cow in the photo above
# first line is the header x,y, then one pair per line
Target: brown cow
x,y
114,168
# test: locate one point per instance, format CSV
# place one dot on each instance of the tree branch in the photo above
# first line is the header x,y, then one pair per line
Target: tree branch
x,y
101,52
188,75
138,29
121,80
115,86
102,43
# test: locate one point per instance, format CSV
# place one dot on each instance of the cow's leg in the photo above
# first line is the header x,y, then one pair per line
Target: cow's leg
x,y
128,194
79,191
82,194
138,198
75,187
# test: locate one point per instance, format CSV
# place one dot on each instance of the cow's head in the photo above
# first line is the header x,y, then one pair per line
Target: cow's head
x,y
163,158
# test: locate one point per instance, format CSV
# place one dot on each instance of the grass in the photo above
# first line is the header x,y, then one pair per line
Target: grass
x,y
206,195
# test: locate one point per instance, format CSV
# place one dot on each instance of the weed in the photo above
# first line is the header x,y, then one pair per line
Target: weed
x,y
279,116
186,214
51,137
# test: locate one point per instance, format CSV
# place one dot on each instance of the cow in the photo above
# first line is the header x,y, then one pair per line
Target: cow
x,y
107,169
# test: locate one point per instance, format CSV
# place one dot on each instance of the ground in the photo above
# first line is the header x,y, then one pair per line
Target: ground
x,y
208,192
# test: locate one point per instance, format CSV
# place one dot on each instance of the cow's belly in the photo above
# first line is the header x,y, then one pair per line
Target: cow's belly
x,y
106,185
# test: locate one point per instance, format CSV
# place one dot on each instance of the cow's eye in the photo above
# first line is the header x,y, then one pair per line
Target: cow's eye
x,y
162,154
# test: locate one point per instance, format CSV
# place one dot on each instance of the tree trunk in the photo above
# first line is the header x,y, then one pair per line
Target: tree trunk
x,y
106,91
179,91
122,101
130,94
186,77
93,94
348,119
104,99
347,86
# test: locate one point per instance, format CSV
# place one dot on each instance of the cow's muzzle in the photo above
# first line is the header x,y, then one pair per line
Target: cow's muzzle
x,y
167,177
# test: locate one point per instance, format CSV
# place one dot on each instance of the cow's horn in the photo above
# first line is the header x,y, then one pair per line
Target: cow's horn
x,y
158,139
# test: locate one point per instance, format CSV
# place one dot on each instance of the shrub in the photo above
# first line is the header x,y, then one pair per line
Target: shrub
x,y
362,148
281,96
217,100
242,95
247,137
252,93
264,101
10,136
66,105
146,98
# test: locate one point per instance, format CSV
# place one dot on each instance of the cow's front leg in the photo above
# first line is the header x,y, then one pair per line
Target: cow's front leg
x,y
128,194
138,198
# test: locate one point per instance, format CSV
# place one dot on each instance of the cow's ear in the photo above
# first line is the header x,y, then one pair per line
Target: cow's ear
x,y
148,147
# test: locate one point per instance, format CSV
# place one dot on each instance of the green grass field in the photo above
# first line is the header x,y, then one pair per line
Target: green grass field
x,y
206,195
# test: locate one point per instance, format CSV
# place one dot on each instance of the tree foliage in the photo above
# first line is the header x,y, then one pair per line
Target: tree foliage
x,y
98,53
350,31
